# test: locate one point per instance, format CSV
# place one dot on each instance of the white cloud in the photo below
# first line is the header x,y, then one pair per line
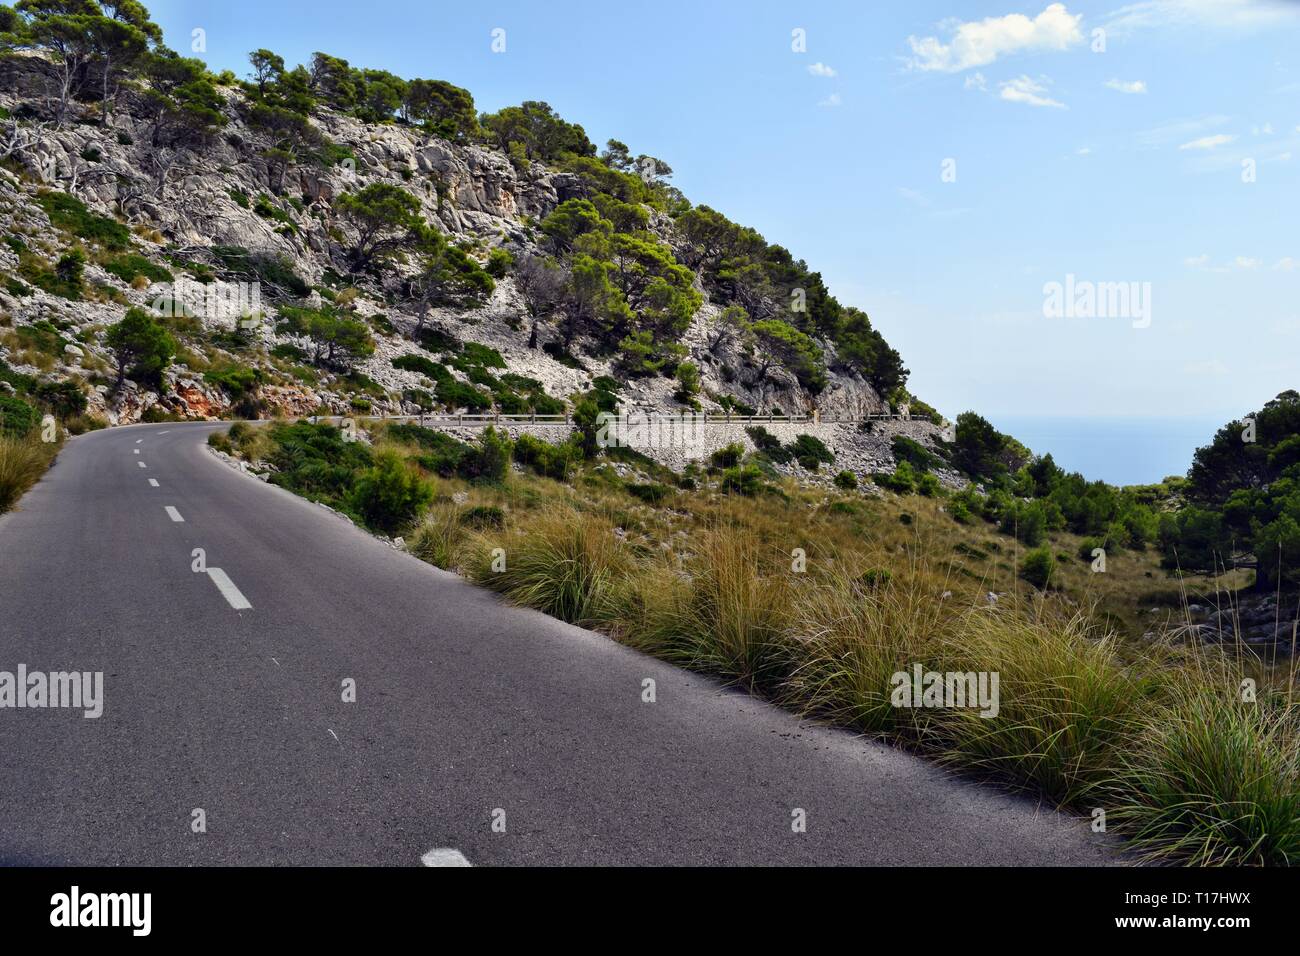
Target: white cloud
x,y
821,69
1083,151
831,101
980,42
1209,142
1025,90
1240,14
976,81
1265,130
1178,131
1240,264
1127,86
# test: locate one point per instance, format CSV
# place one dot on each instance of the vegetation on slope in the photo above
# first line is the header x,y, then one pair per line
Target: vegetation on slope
x,y
817,599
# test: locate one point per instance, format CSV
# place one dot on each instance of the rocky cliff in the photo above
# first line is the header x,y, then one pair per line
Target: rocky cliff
x,y
192,210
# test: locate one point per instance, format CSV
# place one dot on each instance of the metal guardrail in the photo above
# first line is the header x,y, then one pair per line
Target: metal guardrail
x,y
702,418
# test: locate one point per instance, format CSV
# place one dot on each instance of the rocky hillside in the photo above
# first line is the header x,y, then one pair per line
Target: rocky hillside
x,y
389,267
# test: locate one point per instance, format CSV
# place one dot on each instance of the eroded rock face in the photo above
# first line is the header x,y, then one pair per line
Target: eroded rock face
x,y
180,201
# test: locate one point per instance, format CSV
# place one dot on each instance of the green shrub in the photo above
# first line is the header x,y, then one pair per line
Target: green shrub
x,y
769,445
914,453
17,418
728,456
70,214
129,265
499,262
390,495
546,459
444,455
236,380
1039,568
846,480
902,481
1087,546
928,485
435,340
454,394
316,462
742,480
276,271
422,365
1027,521
651,493
62,399
475,354
810,452
490,460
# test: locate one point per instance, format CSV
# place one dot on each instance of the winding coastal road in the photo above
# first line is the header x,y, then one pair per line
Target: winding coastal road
x,y
225,737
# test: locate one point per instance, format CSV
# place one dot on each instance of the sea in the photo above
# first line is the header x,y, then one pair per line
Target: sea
x,y
1121,451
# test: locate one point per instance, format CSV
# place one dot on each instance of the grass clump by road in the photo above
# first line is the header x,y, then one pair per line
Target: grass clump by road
x,y
818,598
22,462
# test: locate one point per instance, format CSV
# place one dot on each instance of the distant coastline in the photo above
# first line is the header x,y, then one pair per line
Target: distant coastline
x,y
1122,451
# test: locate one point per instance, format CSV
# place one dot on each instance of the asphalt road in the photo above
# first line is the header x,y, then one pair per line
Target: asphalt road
x,y
465,707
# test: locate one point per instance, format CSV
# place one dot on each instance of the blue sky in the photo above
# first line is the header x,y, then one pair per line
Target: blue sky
x,y
1122,165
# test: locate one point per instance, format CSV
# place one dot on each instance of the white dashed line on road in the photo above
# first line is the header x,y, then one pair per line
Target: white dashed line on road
x,y
142,464
136,451
153,482
138,440
445,856
228,590
173,513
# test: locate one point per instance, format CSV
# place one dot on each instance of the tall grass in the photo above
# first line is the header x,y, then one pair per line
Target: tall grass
x,y
1068,705
439,536
736,621
853,631
22,462
1213,779
566,565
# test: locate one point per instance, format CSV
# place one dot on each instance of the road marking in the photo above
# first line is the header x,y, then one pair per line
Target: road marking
x,y
153,482
142,464
277,663
334,735
138,440
164,433
228,589
445,856
136,451
173,513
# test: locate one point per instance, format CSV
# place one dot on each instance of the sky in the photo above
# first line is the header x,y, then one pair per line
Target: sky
x,y
940,163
